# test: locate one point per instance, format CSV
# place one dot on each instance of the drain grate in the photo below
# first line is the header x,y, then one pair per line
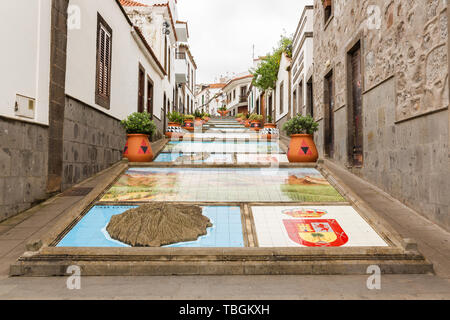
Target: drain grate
x,y
77,192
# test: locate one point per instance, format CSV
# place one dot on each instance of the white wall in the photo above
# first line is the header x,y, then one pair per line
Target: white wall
x,y
126,56
303,55
283,77
25,56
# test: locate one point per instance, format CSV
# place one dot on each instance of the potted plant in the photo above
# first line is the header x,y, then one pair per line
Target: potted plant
x,y
238,117
269,123
246,121
223,111
255,121
206,117
139,126
175,121
270,129
302,147
188,122
198,118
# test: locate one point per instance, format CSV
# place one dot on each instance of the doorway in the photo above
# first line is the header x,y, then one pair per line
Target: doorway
x,y
329,111
141,89
294,97
356,109
150,97
310,98
164,112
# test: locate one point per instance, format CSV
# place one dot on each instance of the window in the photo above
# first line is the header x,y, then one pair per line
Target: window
x,y
168,71
281,97
103,69
165,53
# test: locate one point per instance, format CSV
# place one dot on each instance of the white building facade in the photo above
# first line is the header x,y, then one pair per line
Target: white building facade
x,y
236,94
73,70
302,64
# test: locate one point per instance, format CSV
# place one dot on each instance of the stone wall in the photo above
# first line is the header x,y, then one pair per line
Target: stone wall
x,y
159,129
58,48
405,95
92,142
23,166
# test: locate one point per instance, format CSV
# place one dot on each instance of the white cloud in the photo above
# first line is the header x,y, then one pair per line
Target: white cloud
x,y
223,32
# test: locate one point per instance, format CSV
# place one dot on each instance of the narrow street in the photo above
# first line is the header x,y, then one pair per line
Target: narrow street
x,y
229,182
225,149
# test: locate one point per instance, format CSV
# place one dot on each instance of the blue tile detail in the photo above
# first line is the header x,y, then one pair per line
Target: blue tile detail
x,y
90,231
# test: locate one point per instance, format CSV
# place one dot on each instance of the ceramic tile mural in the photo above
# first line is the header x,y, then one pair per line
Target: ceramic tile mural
x,y
226,231
221,147
262,158
192,158
313,226
222,184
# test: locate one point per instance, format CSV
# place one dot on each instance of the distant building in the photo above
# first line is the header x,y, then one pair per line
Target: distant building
x,y
235,92
210,98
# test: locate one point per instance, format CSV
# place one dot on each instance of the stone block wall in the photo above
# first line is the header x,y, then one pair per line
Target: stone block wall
x,y
405,91
23,166
92,142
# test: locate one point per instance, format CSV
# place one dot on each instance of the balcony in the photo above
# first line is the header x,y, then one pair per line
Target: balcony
x,y
243,99
182,32
181,68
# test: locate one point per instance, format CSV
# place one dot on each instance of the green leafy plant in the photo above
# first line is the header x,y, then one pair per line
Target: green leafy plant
x,y
301,125
139,123
175,117
223,108
188,117
255,117
239,115
266,75
198,114
269,119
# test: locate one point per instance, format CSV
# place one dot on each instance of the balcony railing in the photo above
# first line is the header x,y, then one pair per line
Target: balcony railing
x,y
243,99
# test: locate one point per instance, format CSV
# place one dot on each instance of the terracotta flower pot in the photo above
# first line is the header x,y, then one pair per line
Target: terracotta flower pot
x,y
247,123
255,125
223,113
189,125
138,148
198,122
269,126
172,124
302,148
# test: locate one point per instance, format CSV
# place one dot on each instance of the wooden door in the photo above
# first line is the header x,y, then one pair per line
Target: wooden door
x,y
150,97
141,90
329,132
357,108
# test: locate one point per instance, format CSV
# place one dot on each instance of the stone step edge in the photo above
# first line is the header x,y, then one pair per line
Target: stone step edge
x,y
180,268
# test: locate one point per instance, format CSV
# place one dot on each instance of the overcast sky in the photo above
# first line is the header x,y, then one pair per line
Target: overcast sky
x,y
223,32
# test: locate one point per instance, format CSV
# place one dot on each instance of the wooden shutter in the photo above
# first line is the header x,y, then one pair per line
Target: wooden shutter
x,y
104,53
